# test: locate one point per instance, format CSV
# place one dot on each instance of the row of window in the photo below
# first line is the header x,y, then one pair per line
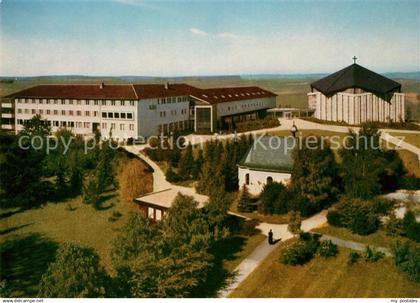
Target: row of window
x,y
174,112
58,112
243,106
174,126
108,115
111,115
169,100
121,126
236,95
78,124
77,102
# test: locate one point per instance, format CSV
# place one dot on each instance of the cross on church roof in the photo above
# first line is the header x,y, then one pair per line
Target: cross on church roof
x,y
354,59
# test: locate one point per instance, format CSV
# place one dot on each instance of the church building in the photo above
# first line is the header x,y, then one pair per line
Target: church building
x,y
268,160
355,95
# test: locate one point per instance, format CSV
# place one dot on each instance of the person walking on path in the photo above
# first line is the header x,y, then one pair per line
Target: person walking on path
x,y
294,129
270,237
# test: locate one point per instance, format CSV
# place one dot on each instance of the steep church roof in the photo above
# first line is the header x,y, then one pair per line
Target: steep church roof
x,y
270,153
356,76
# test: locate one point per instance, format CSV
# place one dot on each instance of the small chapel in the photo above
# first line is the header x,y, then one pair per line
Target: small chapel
x,y
355,95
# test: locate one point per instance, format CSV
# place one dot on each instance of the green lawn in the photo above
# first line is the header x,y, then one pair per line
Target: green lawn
x,y
410,138
326,278
30,238
379,238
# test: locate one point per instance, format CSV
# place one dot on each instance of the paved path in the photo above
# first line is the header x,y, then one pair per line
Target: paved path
x,y
159,178
248,265
354,245
385,133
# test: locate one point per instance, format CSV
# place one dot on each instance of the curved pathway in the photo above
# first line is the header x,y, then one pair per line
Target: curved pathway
x,y
250,263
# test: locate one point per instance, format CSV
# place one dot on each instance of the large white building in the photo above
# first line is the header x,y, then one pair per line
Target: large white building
x,y
355,95
130,111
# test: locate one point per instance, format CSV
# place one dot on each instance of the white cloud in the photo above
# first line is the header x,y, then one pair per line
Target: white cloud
x,y
197,32
138,3
227,35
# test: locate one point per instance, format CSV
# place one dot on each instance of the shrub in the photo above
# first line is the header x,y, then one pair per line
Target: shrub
x,y
365,223
353,257
245,201
248,227
409,182
411,226
115,216
334,218
328,249
360,216
300,252
394,226
407,259
130,141
295,222
373,255
171,176
274,198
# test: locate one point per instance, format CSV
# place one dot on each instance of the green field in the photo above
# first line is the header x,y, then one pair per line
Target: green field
x,y
378,238
30,237
411,138
326,278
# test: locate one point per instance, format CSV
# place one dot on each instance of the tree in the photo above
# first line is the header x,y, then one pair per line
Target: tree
x,y
170,259
274,198
36,127
91,193
187,164
76,181
216,213
138,236
198,164
295,222
245,202
211,178
314,174
365,165
133,181
171,175
105,174
21,171
75,273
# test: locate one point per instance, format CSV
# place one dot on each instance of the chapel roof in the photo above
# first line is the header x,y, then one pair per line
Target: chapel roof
x,y
356,76
271,153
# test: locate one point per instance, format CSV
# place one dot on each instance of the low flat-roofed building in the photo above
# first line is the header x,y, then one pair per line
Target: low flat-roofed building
x,y
155,205
290,112
221,108
268,160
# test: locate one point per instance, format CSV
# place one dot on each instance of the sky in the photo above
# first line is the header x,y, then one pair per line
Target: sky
x,y
183,38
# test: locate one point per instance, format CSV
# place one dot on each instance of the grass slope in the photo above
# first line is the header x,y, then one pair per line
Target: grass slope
x,y
326,278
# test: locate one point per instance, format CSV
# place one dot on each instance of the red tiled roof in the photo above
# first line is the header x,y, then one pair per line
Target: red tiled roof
x,y
78,91
228,94
142,91
150,91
